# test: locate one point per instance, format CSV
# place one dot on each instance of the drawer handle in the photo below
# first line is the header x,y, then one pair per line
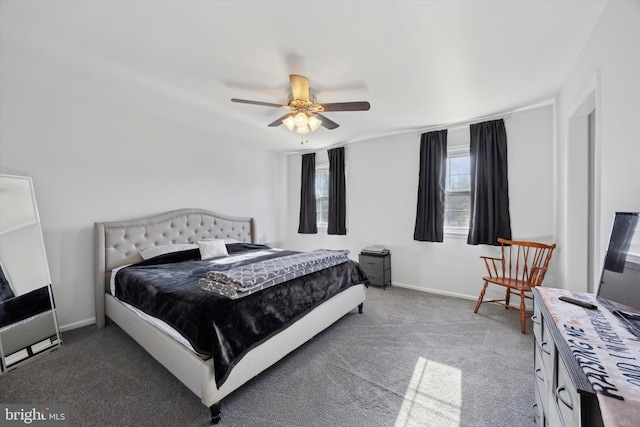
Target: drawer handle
x,y
536,414
538,374
559,390
535,320
543,346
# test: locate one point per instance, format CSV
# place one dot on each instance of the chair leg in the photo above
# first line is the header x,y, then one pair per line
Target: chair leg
x,y
481,296
523,317
507,298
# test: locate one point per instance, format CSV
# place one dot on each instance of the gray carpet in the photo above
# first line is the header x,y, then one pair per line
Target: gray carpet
x,y
411,359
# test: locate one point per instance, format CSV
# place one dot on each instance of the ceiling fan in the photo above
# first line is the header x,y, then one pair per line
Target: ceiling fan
x,y
305,112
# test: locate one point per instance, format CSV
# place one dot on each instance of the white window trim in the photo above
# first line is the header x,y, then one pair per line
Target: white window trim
x,y
457,232
321,168
458,151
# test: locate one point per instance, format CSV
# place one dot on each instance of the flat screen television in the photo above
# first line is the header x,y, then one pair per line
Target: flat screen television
x,y
620,280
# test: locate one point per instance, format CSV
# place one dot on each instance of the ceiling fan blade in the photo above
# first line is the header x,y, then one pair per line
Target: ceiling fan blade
x,y
278,122
346,106
329,124
246,101
299,87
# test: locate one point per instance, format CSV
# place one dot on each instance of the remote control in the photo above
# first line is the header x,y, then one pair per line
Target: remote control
x,y
584,304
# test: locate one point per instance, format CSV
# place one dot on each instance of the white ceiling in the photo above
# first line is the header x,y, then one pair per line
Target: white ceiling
x,y
419,63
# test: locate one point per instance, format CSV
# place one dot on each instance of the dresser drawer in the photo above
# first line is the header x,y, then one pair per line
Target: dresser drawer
x,y
379,278
547,348
541,372
537,321
566,397
372,264
539,410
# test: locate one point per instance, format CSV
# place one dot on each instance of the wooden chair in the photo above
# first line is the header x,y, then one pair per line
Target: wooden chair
x,y
521,268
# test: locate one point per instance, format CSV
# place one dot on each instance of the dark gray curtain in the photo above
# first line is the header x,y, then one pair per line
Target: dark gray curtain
x,y
431,187
489,184
308,224
337,193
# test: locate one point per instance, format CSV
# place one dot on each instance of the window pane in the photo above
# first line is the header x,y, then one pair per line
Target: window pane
x,y
322,196
459,165
457,198
459,202
322,184
459,219
322,210
459,183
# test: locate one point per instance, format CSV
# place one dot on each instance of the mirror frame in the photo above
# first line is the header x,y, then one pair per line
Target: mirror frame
x,y
28,320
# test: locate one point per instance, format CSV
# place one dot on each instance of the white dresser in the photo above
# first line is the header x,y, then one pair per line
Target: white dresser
x,y
564,396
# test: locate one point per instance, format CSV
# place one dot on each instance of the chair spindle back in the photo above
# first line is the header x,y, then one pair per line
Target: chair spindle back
x,y
526,261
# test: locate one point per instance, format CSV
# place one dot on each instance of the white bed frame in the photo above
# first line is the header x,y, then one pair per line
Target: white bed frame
x,y
118,243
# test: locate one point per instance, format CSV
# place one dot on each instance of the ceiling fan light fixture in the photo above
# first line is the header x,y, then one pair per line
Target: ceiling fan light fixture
x,y
289,122
303,130
314,123
301,119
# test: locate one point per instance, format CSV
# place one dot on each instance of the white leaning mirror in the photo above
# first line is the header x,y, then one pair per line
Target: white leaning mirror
x,y
28,324
21,246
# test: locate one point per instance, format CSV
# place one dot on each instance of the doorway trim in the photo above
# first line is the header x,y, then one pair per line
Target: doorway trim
x,y
577,152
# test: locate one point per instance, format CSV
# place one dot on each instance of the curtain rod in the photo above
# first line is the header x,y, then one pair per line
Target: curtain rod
x,y
465,123
450,126
329,147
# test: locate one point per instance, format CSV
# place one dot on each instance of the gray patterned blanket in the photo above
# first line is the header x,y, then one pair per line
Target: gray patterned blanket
x,y
247,279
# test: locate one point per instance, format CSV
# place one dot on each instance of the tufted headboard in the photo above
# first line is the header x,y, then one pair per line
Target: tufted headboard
x,y
119,243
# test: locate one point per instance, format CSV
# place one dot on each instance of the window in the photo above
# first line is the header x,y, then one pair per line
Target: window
x,y
322,195
457,199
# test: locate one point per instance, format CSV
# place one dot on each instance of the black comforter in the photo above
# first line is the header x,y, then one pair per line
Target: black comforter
x,y
167,287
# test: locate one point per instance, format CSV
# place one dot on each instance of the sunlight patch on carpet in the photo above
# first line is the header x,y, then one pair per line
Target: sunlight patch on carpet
x,y
433,396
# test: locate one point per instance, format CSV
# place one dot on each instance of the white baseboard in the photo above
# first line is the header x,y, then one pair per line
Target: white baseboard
x,y
435,291
450,294
78,324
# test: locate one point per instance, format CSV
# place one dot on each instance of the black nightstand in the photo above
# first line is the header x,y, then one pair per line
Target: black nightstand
x,y
377,265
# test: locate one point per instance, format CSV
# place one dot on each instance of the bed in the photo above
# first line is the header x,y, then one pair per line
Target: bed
x,y
119,244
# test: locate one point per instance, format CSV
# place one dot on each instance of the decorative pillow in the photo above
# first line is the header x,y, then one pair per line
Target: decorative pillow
x,y
154,251
212,248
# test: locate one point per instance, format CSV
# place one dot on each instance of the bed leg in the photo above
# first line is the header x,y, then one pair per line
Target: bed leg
x,y
215,412
360,307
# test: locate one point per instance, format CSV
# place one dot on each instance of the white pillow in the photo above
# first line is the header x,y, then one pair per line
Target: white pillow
x,y
154,251
212,248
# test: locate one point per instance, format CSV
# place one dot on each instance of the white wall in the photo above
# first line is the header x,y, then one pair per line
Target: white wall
x,y
98,150
606,75
382,181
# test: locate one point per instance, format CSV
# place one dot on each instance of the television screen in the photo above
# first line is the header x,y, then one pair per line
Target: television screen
x,y
620,280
